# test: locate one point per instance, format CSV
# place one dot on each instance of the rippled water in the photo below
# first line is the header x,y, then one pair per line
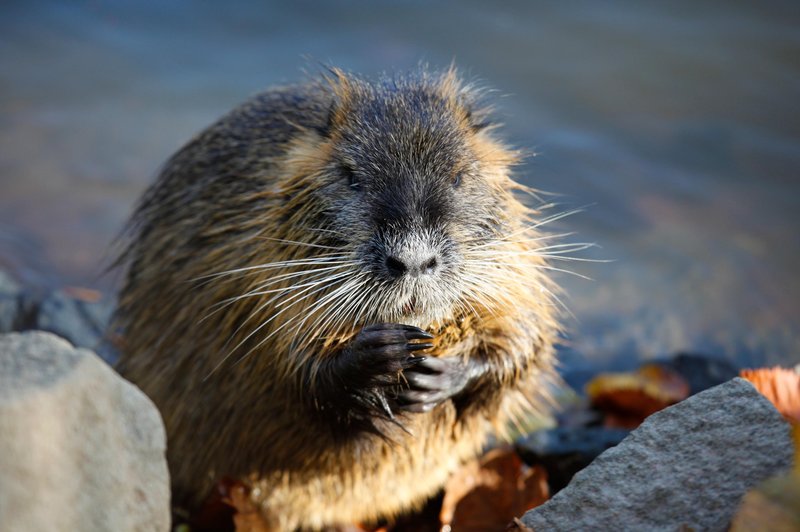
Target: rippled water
x,y
677,127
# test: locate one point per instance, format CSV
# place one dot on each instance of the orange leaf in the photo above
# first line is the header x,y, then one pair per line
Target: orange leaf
x,y
487,494
779,385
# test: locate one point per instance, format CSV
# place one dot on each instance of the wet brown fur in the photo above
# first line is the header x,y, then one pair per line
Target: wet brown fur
x,y
241,406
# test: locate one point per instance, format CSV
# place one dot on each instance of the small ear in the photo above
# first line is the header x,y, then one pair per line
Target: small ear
x,y
467,98
478,117
325,126
340,87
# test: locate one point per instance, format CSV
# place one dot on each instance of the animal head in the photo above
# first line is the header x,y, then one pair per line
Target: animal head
x,y
413,204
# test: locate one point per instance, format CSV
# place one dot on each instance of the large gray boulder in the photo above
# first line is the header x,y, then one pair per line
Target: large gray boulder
x,y
80,447
685,468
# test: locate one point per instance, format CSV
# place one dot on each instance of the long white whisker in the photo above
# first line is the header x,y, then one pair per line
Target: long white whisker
x,y
269,320
487,266
368,293
318,278
273,333
557,216
506,240
303,244
357,283
318,273
338,258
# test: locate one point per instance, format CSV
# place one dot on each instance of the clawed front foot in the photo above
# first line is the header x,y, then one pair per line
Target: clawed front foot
x,y
374,364
384,371
399,376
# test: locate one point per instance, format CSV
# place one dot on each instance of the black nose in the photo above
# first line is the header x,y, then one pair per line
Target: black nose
x,y
412,266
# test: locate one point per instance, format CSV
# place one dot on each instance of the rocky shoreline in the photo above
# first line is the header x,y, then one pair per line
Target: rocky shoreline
x,y
83,449
77,315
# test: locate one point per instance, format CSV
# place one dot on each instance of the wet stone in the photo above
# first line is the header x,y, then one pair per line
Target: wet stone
x,y
82,323
685,468
701,371
563,451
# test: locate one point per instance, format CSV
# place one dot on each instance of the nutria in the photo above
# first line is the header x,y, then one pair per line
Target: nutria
x,y
335,295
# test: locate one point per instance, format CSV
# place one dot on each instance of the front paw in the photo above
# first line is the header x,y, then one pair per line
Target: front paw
x,y
376,362
432,381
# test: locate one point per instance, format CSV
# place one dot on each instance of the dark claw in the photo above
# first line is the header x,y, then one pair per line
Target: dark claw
x,y
396,327
385,406
416,330
418,346
382,337
418,335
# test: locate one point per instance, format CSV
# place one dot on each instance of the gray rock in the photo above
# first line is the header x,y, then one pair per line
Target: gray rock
x,y
80,447
686,466
10,303
80,322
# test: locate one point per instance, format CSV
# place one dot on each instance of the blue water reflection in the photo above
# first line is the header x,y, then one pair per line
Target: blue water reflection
x,y
677,124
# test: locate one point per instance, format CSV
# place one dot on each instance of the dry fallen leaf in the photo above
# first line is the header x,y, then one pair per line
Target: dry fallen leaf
x,y
779,385
487,494
215,513
247,517
228,508
628,398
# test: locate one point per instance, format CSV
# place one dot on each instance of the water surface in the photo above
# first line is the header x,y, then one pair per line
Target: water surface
x,y
677,126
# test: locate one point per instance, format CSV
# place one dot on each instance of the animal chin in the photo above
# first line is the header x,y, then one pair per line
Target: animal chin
x,y
418,304
406,310
420,312
410,307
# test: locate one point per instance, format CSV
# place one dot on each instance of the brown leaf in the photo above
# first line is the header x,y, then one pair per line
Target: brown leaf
x,y
487,494
628,398
229,508
247,517
215,513
781,386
